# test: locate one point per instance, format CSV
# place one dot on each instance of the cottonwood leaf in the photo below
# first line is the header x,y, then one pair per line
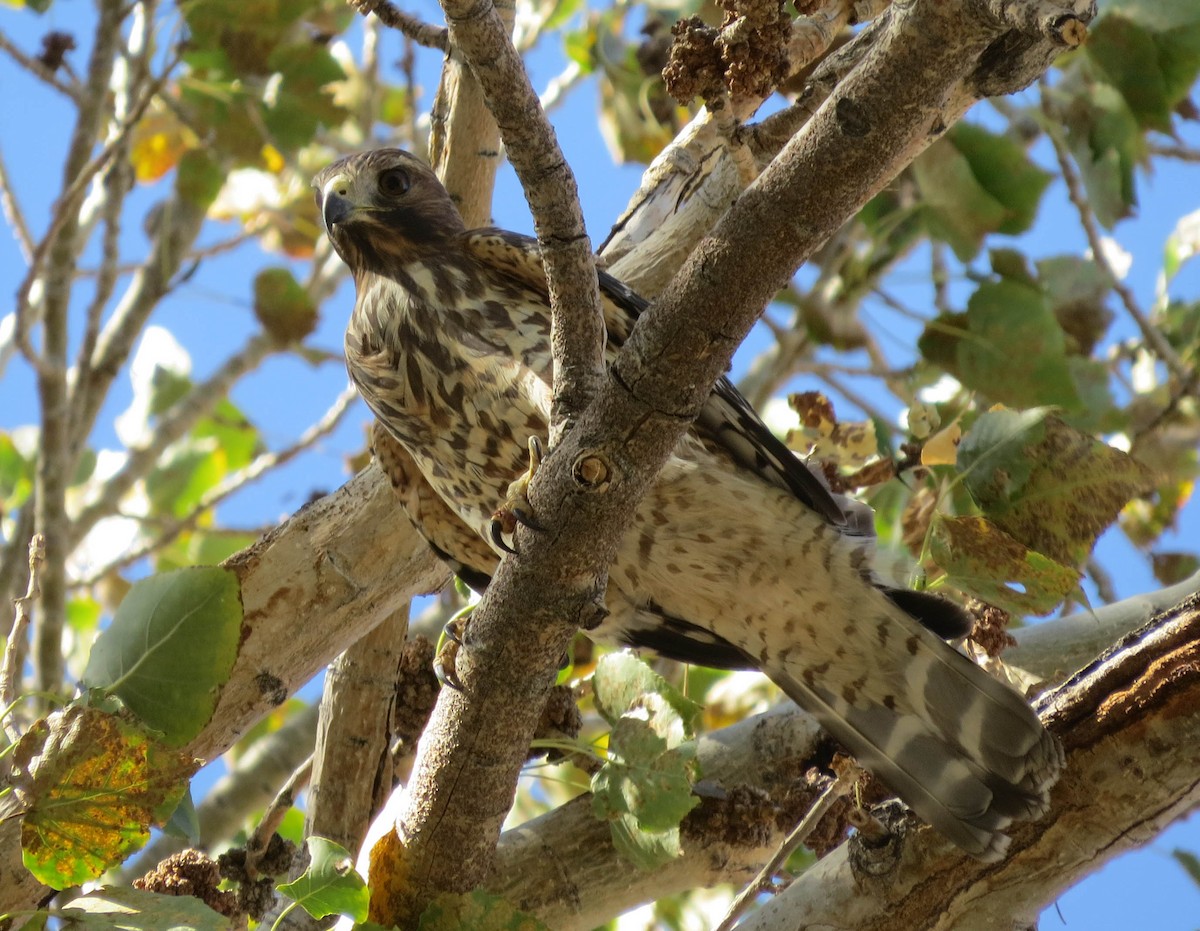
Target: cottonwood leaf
x,y
128,909
170,649
93,785
1046,484
330,885
622,679
981,559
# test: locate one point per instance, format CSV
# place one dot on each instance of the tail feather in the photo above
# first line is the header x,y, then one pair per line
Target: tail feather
x,y
962,749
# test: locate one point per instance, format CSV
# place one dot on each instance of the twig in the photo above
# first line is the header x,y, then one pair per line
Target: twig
x,y
38,70
12,650
13,214
177,422
53,258
1182,152
230,484
1087,219
841,785
258,842
116,184
390,15
577,327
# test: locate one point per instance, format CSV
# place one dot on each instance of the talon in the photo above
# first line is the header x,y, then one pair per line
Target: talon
x,y
497,529
444,665
515,509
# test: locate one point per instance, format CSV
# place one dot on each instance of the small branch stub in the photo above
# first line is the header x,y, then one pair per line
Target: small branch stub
x,y
593,472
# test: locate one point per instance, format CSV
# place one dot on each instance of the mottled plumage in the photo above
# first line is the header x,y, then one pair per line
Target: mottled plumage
x,y
738,556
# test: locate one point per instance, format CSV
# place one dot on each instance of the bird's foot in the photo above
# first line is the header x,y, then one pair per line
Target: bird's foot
x,y
444,664
516,508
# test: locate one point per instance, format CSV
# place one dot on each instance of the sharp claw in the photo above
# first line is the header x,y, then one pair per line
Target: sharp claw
x,y
444,665
497,529
525,519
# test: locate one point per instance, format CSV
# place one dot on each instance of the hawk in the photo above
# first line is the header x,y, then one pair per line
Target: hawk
x,y
739,557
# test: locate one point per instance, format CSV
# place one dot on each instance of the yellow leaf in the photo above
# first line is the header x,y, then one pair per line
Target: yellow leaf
x,y
159,142
942,447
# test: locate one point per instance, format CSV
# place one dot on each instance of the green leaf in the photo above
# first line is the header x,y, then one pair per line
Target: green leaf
x,y
93,786
200,177
184,822
16,475
1004,171
644,778
1077,290
974,182
128,909
981,559
1049,486
620,682
1008,346
330,885
1189,861
285,310
189,469
1151,54
647,850
1107,143
1182,245
475,911
170,649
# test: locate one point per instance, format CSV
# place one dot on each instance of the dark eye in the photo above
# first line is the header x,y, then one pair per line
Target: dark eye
x,y
394,182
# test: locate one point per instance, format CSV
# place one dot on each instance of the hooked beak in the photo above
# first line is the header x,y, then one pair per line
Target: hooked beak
x,y
336,207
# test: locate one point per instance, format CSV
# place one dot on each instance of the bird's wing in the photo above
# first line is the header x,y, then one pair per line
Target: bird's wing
x,y
727,420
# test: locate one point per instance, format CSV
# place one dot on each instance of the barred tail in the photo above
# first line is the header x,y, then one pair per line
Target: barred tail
x,y
962,749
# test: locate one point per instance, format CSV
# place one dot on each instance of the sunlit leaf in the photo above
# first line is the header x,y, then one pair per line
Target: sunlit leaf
x,y
982,560
159,141
1047,485
93,786
622,679
127,909
330,885
170,648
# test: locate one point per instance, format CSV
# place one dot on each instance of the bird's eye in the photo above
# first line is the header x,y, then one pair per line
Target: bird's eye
x,y
394,182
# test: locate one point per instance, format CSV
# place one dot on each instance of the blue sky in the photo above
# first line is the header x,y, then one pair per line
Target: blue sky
x,y
211,316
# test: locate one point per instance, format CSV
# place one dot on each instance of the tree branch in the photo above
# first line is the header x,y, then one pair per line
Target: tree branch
x,y
577,328
886,110
60,250
1117,792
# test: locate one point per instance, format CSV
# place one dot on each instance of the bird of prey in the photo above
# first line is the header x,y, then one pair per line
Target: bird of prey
x,y
739,557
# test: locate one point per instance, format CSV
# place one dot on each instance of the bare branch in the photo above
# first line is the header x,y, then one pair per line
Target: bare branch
x,y
353,773
577,329
58,251
259,840
230,484
11,672
1188,379
426,34
140,460
38,70
13,213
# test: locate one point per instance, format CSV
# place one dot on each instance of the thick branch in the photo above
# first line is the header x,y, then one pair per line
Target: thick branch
x,y
577,331
881,115
563,867
1119,790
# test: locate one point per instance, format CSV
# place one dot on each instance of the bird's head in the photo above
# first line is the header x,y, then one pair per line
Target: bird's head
x,y
385,208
